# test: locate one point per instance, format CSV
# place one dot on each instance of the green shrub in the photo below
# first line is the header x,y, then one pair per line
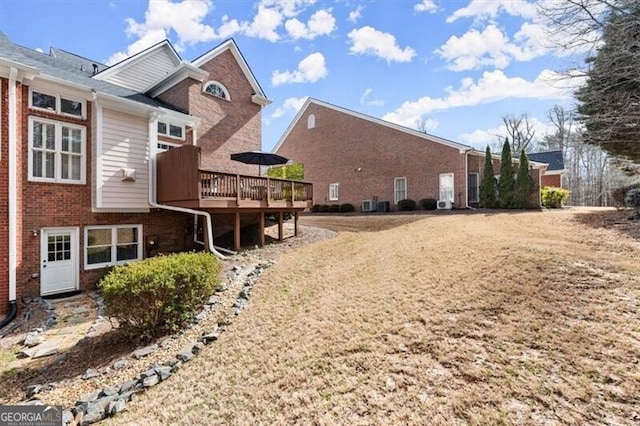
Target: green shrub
x,y
347,208
273,217
334,208
315,208
620,193
552,197
407,205
160,294
428,204
324,208
632,199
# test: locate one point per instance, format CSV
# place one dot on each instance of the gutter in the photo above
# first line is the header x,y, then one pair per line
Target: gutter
x,y
153,129
13,197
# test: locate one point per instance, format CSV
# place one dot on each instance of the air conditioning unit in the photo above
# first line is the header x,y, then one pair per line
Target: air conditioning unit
x,y
444,205
369,206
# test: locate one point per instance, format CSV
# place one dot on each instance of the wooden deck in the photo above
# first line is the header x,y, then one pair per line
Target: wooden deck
x,y
182,183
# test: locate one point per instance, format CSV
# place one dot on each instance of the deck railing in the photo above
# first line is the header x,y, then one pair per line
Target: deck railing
x,y
242,187
181,181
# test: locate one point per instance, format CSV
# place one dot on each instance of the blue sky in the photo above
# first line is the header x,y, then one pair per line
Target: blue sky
x,y
458,66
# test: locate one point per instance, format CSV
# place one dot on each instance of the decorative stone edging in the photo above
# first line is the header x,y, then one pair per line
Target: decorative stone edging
x,y
110,400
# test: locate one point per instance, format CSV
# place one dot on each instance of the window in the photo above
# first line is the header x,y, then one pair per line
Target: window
x,y
166,146
399,189
216,89
112,245
172,130
446,187
56,151
333,191
57,104
474,187
311,121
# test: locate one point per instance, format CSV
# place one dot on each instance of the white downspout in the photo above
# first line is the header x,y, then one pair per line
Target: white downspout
x,y
153,149
13,194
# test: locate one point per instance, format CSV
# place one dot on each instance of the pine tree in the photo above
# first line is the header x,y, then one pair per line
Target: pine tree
x,y
507,184
488,185
523,185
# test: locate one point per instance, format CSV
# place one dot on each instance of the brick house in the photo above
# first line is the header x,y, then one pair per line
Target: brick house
x,y
553,175
371,163
83,147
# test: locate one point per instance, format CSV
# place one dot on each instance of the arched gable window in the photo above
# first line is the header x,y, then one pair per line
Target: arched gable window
x,y
217,89
311,121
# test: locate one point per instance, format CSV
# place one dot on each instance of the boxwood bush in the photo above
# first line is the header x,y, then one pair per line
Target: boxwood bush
x,y
347,208
407,205
428,204
160,294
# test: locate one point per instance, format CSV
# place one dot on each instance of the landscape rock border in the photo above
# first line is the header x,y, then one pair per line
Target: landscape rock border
x,y
108,401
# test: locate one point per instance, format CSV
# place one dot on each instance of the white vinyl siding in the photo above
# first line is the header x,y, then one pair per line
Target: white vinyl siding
x,y
399,189
124,146
140,75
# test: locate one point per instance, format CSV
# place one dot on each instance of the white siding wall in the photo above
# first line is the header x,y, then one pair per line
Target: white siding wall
x,y
124,145
142,74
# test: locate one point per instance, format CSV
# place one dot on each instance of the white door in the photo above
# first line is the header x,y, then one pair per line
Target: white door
x,y
59,260
446,187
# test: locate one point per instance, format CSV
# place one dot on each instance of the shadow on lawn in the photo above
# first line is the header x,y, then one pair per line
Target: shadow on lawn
x,y
91,352
618,220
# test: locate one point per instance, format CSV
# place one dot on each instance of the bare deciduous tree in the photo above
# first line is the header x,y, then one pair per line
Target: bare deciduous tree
x,y
520,132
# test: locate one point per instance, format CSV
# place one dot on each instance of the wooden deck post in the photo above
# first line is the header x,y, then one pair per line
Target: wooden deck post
x,y
236,232
261,229
295,224
280,226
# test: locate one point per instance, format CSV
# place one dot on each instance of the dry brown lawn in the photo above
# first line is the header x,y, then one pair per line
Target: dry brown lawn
x,y
506,318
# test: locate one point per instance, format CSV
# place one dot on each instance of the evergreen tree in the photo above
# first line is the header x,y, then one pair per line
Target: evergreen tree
x,y
507,183
488,185
523,185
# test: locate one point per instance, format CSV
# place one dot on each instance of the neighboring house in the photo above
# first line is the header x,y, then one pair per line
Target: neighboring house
x,y
361,160
553,176
78,162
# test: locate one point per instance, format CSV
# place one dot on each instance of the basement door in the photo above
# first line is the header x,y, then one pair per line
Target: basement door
x,y
59,260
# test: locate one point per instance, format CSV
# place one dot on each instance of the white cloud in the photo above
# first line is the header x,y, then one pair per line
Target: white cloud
x,y
474,49
39,49
355,14
185,19
491,87
373,102
483,9
321,22
289,104
428,124
310,69
426,6
368,40
494,137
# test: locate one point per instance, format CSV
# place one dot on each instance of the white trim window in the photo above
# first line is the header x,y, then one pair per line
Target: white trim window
x,y
58,104
311,121
399,189
474,187
171,130
111,245
163,146
217,89
446,187
334,189
56,151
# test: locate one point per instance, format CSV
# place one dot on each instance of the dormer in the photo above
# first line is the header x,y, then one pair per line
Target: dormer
x,y
144,69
